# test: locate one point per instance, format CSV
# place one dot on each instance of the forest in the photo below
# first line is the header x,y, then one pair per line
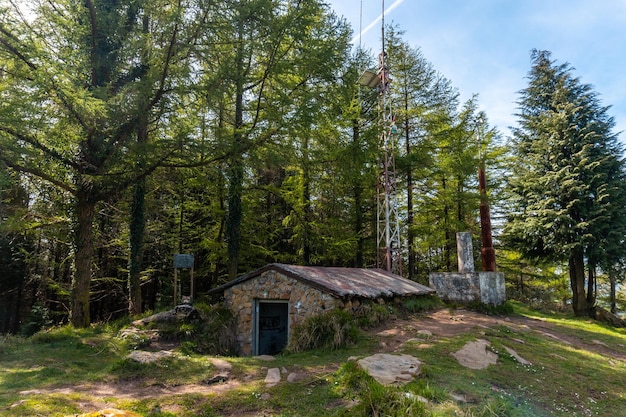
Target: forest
x,y
237,131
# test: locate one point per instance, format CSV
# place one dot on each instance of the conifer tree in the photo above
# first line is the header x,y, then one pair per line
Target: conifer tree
x,y
567,178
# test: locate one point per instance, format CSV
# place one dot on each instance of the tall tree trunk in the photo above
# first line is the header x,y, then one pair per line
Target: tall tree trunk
x,y
577,282
137,215
448,237
137,227
236,171
409,190
613,283
233,221
306,201
357,192
81,282
591,286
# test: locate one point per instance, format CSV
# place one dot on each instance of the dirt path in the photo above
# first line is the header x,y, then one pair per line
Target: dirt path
x,y
446,323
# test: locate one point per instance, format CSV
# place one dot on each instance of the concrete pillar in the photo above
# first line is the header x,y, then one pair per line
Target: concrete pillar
x,y
465,251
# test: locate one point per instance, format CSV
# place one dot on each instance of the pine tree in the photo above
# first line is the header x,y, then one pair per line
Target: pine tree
x,y
567,178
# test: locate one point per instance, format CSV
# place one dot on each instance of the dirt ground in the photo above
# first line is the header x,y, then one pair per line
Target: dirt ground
x,y
447,323
392,335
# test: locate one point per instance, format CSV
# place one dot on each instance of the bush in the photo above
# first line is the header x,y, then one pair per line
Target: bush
x,y
214,334
38,319
333,329
420,304
370,315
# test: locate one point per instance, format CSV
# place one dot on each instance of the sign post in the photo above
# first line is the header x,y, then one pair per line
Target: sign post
x,y
182,260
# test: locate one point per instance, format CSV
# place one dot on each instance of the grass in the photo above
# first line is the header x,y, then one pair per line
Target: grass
x,y
563,379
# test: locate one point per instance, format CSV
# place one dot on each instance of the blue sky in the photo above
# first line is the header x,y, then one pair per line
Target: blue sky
x,y
483,46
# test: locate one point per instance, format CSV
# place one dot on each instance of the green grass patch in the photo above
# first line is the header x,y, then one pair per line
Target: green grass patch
x,y
563,379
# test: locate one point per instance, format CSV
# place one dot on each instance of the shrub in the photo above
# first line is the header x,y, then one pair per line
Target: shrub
x,y
38,319
214,334
420,304
333,329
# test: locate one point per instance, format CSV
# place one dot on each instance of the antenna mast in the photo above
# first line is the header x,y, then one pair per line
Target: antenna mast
x,y
389,252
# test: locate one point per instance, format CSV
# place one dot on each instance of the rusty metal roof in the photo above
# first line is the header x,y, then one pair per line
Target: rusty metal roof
x,y
342,282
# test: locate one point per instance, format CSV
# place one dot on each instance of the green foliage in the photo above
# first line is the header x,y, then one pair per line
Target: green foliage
x,y
214,334
38,319
370,314
419,304
568,194
333,329
490,309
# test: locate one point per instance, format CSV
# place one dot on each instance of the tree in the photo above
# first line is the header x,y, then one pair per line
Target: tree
x,y
74,90
567,178
422,97
268,55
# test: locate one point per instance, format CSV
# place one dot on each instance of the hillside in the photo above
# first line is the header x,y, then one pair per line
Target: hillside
x,y
544,365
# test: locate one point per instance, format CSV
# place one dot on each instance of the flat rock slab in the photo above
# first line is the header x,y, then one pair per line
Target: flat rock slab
x,y
474,355
142,356
391,369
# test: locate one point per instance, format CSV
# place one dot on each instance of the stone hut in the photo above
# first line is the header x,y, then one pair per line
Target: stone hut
x,y
270,301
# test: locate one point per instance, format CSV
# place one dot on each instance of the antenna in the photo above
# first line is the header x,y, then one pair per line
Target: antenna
x,y
389,249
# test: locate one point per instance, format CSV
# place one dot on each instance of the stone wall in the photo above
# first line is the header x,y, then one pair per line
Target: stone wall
x,y
304,301
468,287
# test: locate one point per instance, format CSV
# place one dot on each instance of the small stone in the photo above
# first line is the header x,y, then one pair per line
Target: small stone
x,y
426,333
273,377
266,396
517,357
266,358
292,377
459,398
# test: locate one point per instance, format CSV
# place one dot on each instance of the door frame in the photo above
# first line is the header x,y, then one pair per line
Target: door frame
x,y
256,316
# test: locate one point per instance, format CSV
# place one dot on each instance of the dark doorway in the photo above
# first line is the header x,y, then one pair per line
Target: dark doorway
x,y
273,325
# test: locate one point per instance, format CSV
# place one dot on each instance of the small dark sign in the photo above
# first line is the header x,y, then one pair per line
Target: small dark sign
x,y
183,260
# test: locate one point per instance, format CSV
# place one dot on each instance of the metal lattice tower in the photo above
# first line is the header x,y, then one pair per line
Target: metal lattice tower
x,y
389,249
388,229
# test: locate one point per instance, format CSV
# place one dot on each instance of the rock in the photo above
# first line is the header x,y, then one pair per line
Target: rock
x,y
474,355
390,369
459,398
416,397
294,377
266,396
142,356
217,379
183,312
273,377
606,316
425,333
517,357
266,358
223,367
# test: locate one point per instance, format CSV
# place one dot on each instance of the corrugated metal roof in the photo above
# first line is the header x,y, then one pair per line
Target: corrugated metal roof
x,y
342,282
